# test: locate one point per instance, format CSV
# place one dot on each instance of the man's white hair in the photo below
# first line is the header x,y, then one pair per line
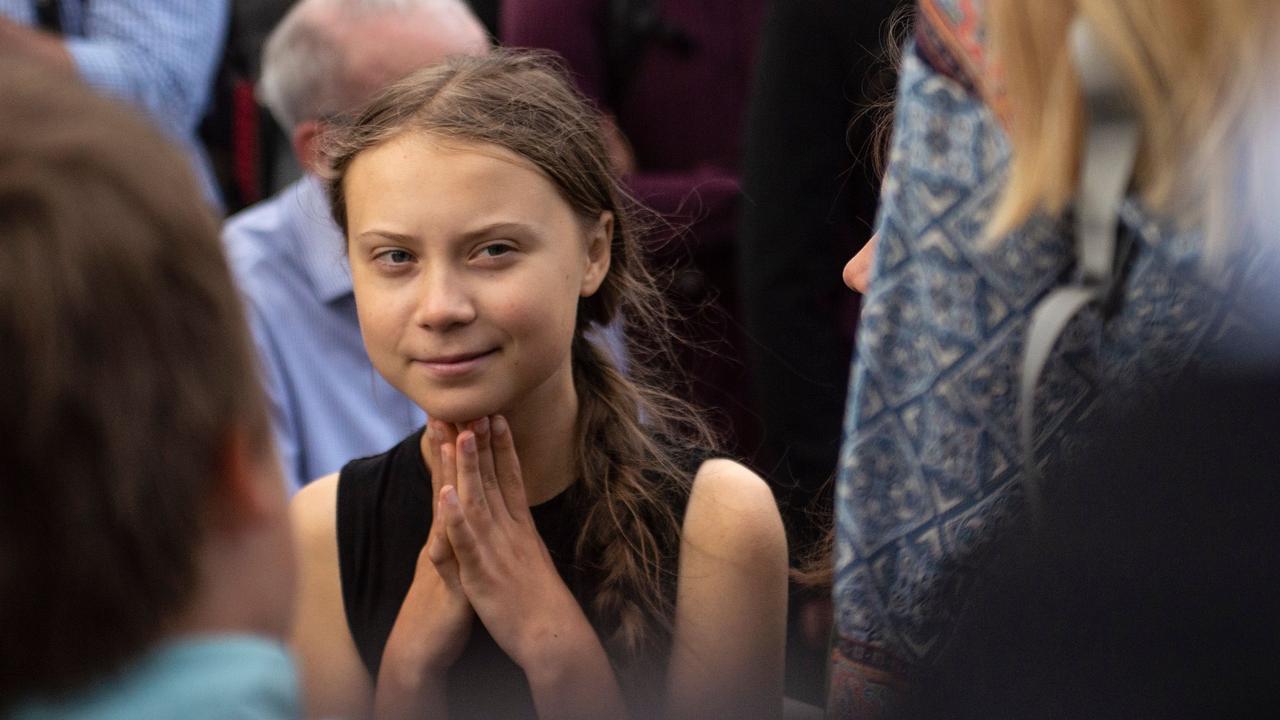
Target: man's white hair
x,y
304,62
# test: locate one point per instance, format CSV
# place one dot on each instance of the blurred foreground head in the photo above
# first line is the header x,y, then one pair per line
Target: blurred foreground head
x,y
135,465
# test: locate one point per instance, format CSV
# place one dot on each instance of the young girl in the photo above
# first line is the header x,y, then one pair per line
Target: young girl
x,y
560,537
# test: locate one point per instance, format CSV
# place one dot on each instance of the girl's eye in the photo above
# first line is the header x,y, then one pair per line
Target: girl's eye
x,y
394,257
495,250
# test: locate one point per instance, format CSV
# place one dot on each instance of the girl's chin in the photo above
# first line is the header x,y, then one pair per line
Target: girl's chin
x,y
458,421
459,414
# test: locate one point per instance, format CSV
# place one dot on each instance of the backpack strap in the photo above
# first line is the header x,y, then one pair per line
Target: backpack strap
x,y
1110,148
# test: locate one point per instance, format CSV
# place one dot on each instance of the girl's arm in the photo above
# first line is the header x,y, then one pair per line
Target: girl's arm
x,y
435,618
334,680
569,673
513,585
728,651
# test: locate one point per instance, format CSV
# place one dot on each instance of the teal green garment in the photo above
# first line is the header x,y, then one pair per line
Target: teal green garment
x,y
206,678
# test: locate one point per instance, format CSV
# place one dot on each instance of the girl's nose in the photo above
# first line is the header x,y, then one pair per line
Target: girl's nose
x,y
444,301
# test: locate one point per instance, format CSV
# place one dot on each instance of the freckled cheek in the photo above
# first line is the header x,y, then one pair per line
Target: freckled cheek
x,y
525,319
538,317
383,317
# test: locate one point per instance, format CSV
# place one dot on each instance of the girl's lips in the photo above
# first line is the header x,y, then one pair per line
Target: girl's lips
x,y
447,366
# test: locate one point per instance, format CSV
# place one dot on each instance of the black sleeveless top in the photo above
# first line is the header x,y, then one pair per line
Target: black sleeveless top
x,y
384,515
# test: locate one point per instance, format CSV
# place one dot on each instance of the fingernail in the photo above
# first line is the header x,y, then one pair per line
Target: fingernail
x,y
499,425
450,497
482,426
433,435
469,443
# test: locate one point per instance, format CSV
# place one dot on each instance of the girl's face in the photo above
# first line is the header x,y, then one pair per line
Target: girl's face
x,y
468,266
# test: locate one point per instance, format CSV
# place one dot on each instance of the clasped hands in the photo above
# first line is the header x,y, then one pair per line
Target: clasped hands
x,y
483,556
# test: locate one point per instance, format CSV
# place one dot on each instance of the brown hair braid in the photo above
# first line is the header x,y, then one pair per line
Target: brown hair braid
x,y
634,440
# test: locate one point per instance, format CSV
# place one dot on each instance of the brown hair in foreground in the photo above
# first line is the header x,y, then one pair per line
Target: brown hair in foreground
x,y
124,363
632,433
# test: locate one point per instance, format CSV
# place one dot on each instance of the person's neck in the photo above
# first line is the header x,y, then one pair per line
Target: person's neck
x,y
543,427
243,586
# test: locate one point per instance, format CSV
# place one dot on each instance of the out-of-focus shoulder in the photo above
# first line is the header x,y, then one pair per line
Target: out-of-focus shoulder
x,y
313,511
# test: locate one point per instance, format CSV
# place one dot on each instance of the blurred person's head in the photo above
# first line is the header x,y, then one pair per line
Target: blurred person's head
x,y
327,57
140,497
1202,77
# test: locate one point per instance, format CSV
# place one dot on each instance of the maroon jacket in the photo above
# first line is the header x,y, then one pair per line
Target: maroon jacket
x,y
684,105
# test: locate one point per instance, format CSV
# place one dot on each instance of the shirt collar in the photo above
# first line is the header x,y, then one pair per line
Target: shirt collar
x,y
319,242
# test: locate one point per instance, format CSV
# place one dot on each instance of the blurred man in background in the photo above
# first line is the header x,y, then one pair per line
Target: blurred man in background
x,y
159,56
324,59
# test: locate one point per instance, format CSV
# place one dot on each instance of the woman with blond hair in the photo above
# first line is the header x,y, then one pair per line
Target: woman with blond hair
x,y
1072,210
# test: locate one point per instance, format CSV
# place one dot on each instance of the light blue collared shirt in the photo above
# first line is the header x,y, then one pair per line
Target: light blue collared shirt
x,y
159,56
201,678
329,405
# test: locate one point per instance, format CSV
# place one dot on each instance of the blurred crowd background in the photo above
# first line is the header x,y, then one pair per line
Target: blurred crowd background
x,y
763,135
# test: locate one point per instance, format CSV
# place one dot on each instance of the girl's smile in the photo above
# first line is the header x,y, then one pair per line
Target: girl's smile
x,y
455,365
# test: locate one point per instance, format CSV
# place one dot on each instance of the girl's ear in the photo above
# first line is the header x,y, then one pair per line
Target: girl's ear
x,y
599,254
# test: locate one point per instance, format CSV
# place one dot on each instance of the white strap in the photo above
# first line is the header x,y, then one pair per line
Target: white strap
x,y
1110,148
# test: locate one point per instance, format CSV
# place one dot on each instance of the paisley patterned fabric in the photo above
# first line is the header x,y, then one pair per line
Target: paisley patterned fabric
x,y
929,471
951,37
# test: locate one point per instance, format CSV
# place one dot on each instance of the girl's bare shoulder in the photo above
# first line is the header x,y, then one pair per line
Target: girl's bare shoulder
x,y
313,511
732,509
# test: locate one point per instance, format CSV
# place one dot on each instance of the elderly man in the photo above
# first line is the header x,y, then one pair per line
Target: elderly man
x,y
158,56
325,58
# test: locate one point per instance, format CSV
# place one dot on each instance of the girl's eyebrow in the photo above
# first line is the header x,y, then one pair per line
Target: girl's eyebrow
x,y
386,235
500,226
493,228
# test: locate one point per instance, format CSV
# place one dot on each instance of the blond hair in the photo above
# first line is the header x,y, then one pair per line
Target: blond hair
x,y
1200,77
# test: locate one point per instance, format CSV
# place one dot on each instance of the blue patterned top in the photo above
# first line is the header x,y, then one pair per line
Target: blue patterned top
x,y
930,466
